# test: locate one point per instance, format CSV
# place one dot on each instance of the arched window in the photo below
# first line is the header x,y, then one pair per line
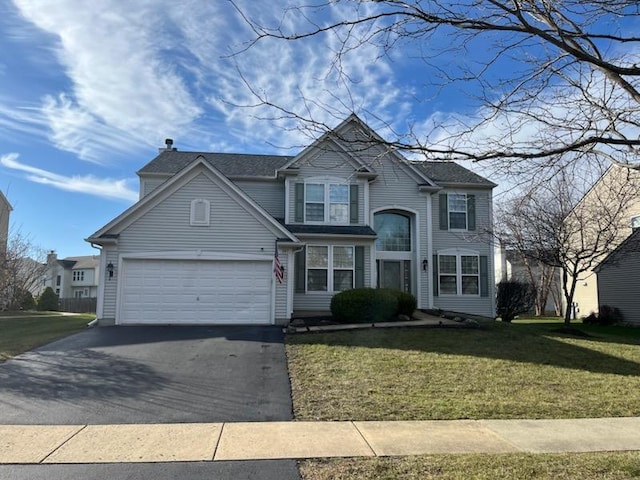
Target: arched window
x,y
635,222
394,232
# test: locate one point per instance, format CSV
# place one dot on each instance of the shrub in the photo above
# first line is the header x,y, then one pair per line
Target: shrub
x,y
48,300
609,315
407,303
26,301
364,305
590,319
514,298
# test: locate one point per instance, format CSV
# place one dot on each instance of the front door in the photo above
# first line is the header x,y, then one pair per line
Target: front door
x,y
395,274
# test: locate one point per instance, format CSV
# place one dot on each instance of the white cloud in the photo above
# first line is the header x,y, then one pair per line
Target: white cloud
x,y
87,184
141,71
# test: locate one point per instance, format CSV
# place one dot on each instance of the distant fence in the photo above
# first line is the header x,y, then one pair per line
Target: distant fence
x,y
78,305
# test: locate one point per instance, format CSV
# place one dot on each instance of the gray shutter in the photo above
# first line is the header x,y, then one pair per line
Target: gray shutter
x,y
435,275
444,212
299,203
484,276
353,204
471,212
359,264
300,261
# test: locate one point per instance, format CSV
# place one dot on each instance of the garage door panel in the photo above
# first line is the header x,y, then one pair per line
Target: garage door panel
x,y
192,292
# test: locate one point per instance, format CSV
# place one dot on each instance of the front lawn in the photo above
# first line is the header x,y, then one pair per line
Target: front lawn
x,y
23,331
610,466
518,370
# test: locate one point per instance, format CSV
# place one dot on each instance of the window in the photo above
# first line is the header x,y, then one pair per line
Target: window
x,y
78,294
635,222
394,232
326,201
457,211
200,212
58,280
459,274
339,203
330,269
78,276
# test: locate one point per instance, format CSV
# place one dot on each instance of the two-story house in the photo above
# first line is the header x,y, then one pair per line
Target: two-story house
x,y
72,277
221,238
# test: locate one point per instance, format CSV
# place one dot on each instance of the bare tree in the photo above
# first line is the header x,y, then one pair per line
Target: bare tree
x,y
21,269
552,80
558,227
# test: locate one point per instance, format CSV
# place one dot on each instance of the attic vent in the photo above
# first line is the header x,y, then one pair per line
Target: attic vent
x,y
200,210
168,142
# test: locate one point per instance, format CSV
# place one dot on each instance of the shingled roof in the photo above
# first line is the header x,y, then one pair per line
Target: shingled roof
x,y
170,162
450,172
229,164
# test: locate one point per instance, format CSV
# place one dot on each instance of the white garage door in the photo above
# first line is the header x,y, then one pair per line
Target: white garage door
x,y
195,292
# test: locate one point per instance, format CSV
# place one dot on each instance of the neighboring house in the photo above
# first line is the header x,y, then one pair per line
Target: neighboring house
x,y
619,278
511,265
200,245
72,277
5,212
586,293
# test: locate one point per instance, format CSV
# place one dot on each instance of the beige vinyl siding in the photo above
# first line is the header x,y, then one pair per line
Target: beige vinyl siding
x,y
618,286
477,241
321,301
605,190
268,194
167,225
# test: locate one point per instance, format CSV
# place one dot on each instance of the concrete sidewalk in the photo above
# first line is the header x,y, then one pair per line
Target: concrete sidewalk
x,y
191,442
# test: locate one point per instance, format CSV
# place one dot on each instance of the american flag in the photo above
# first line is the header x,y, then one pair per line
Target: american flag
x,y
278,269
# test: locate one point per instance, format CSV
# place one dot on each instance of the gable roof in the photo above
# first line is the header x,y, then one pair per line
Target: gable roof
x,y
155,197
631,244
234,165
229,164
88,261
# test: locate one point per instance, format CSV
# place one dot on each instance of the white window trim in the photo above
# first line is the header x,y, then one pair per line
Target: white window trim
x,y
77,276
327,202
194,222
458,253
330,269
634,219
466,212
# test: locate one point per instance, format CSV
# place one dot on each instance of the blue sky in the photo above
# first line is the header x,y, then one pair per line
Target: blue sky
x,y
90,90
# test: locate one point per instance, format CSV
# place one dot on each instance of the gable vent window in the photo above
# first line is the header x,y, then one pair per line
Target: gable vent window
x,y
200,212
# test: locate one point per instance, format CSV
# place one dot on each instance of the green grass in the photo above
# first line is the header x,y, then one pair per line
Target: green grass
x,y
17,335
607,466
519,370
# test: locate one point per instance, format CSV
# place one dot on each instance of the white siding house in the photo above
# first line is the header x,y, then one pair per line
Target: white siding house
x,y
200,245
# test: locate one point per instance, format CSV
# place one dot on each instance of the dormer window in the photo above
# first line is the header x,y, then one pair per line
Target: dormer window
x,y
200,210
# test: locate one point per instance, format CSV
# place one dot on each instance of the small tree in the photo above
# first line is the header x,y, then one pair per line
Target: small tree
x,y
560,227
48,300
21,270
514,298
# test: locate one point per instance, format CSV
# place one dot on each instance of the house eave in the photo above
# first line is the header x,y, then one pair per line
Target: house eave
x,y
336,236
481,186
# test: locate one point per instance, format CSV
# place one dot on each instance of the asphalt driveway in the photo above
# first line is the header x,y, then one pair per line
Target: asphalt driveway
x,y
150,375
